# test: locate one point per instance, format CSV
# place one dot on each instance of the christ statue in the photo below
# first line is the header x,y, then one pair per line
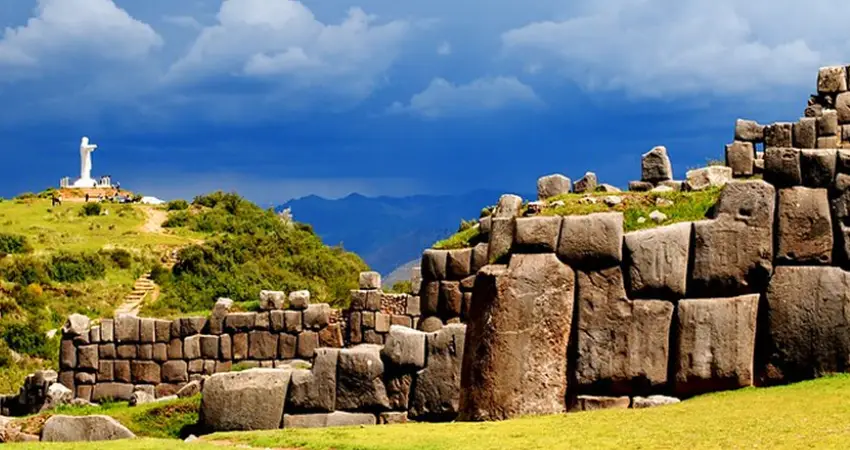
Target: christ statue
x,y
85,159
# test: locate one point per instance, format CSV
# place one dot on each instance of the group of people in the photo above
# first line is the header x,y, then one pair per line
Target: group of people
x,y
56,198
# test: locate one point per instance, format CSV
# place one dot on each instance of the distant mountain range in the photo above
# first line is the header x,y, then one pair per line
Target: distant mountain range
x,y
388,232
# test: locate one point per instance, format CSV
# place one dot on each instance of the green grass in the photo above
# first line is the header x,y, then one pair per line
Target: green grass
x,y
462,239
805,415
12,376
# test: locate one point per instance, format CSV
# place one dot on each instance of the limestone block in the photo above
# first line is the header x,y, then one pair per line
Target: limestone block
x,y
106,351
458,263
222,308
239,322
804,226
175,372
370,280
829,142
519,327
145,352
248,400
537,234
272,300
60,428
841,211
383,321
778,135
509,206
76,325
610,326
191,325
315,390
85,378
107,331
436,392
451,300
405,348
360,385
293,322
715,344
782,167
121,371
657,261
430,300
373,337
67,354
262,345
105,371
175,349
832,80
730,258
392,418
813,110
414,307
299,299
740,157
287,346
317,316
818,167
262,321
552,185
484,225
192,347
160,352
162,331
196,366
640,186
431,324
94,335
596,403
147,372
594,240
328,420
752,202
808,326
355,330
501,238
655,166
210,346
308,341
653,401
126,329
586,184
127,351
749,131
828,123
434,264
707,177
806,133
112,391
146,331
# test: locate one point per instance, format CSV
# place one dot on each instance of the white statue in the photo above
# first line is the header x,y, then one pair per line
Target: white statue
x,y
85,159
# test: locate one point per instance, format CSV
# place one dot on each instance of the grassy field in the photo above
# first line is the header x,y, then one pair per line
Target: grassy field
x,y
812,414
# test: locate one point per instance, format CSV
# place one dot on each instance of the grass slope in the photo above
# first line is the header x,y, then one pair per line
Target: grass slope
x,y
812,414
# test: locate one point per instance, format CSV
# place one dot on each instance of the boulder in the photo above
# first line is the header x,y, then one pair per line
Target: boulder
x,y
804,226
715,344
782,167
360,385
596,403
141,398
752,202
808,329
248,400
405,348
314,390
592,241
640,186
608,189
509,206
652,401
778,135
537,234
708,177
832,80
370,280
76,325
516,349
740,157
749,131
431,324
436,390
191,389
334,419
392,418
586,184
62,428
818,167
501,238
611,326
806,133
56,395
553,185
655,166
657,261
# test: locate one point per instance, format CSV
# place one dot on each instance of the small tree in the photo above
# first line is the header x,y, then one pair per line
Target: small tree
x,y
91,209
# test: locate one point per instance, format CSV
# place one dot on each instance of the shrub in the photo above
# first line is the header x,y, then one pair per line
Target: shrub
x,y
67,267
177,219
402,287
13,243
177,205
121,258
27,338
25,271
91,209
160,275
27,196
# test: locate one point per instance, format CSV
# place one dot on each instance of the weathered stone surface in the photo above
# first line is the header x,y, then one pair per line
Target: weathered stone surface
x,y
315,390
778,135
272,300
842,107
308,341
501,238
67,354
162,330
730,257
262,345
509,206
127,351
596,403
61,428
191,389
715,344
76,325
479,258
451,300
360,385
324,420
752,202
828,123
145,351
782,167
818,167
191,325
277,322
436,391
299,299
458,263
317,316
655,166
519,326
431,324
331,336
107,331
192,347
808,325
813,110
640,186
828,141
287,346
175,372
832,80
57,394
552,185
749,131
592,241
147,372
537,234
652,401
105,371
112,391
249,400
126,328
384,321
240,346
430,300
708,177
657,261
804,226
806,133
293,321
586,184
210,346
147,329
434,264
239,322
85,378
106,351
87,357
373,337
623,345
405,348
370,280
740,157
392,418
122,371
610,189
263,321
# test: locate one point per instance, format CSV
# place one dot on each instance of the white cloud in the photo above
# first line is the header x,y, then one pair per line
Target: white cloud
x,y
282,42
661,47
444,49
443,99
184,21
62,30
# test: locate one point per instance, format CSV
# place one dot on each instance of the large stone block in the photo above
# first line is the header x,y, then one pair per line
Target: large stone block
x,y
175,372
87,358
740,157
451,300
479,258
778,135
804,226
210,346
405,348
808,327
592,241
240,322
552,185
370,280
121,371
715,344
730,258
806,133
782,167
655,166
434,264
832,80
147,330
192,347
458,263
537,234
308,341
147,372
657,261
262,345
76,325
317,316
818,167
586,184
112,391
360,385
501,238
749,131
61,428
828,123
328,420
509,206
842,107
127,329
707,177
752,202
67,354
623,345
287,346
314,390
272,300
190,326
249,400
436,391
516,349
299,299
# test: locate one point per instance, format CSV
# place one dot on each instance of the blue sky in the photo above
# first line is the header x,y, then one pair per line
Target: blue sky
x,y
279,99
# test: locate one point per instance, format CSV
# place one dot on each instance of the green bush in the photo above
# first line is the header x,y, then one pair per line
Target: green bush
x,y
66,267
91,209
177,219
27,338
13,243
25,271
121,258
177,205
160,275
27,196
402,287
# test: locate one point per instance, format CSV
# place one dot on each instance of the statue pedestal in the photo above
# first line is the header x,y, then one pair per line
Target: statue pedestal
x,y
85,183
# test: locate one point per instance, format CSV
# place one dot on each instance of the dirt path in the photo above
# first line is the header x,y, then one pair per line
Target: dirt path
x,y
154,219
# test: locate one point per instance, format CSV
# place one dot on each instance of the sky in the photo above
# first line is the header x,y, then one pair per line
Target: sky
x,y
278,99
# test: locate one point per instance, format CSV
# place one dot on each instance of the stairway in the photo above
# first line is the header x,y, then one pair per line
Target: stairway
x,y
133,301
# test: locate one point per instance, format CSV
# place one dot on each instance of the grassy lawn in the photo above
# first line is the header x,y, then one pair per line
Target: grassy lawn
x,y
812,414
